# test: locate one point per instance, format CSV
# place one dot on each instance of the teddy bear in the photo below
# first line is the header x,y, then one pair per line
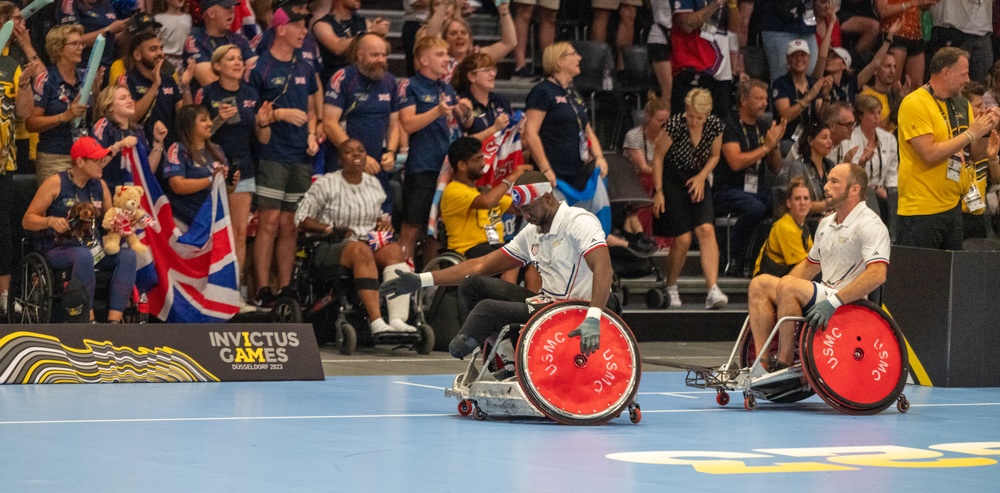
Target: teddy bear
x,y
82,217
124,219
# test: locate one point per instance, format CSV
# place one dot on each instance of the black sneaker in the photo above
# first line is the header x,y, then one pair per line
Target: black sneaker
x,y
74,301
525,74
288,292
265,298
641,246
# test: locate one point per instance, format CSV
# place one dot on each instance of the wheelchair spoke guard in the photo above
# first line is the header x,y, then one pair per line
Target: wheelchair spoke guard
x,y
859,363
567,386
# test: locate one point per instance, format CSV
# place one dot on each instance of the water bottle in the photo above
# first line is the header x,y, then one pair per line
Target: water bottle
x,y
606,83
143,307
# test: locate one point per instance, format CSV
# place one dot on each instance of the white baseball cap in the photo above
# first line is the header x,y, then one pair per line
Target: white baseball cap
x,y
843,54
797,45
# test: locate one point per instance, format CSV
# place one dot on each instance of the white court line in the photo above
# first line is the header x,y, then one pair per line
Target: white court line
x,y
390,360
230,418
419,385
371,416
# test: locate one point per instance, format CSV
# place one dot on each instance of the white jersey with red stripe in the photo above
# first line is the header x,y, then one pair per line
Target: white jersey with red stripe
x,y
559,254
844,250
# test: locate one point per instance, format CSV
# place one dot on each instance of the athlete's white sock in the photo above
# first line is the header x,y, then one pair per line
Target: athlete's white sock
x,y
398,307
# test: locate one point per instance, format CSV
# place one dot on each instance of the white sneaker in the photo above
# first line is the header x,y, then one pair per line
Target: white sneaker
x,y
246,307
716,299
675,297
401,326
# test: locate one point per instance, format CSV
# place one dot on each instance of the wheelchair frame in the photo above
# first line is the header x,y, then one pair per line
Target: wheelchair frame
x,y
481,394
791,384
288,309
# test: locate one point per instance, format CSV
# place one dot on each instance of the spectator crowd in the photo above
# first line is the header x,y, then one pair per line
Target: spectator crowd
x,y
294,104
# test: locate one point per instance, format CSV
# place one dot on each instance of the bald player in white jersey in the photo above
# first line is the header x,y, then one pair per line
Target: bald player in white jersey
x,y
852,252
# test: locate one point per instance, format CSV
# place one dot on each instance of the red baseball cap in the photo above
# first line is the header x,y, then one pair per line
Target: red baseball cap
x,y
89,148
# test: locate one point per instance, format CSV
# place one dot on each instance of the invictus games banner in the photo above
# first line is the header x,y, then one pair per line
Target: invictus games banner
x,y
103,353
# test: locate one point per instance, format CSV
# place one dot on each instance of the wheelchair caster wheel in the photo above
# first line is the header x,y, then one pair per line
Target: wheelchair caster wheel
x,y
347,339
749,403
655,298
634,413
722,398
902,403
479,414
426,344
465,407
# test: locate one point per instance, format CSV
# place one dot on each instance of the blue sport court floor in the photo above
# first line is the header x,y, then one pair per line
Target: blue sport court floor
x,y
400,434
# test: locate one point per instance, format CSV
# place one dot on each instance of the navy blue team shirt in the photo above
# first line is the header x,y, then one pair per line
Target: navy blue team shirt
x,y
484,116
309,51
107,133
180,163
164,107
287,85
565,119
235,139
429,145
349,28
99,16
53,93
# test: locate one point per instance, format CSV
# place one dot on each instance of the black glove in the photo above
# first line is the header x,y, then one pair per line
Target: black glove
x,y
406,283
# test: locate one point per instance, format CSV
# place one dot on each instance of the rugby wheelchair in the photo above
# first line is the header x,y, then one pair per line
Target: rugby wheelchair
x,y
857,365
327,299
552,378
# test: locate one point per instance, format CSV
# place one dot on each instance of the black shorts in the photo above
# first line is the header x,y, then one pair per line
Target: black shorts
x,y
681,215
658,52
418,194
912,46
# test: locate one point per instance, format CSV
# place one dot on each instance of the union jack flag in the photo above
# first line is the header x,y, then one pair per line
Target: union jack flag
x,y
195,278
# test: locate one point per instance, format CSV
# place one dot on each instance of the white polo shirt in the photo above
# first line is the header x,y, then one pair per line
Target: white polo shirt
x,y
559,254
844,250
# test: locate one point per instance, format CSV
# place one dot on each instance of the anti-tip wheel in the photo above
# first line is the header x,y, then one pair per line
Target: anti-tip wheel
x,y
722,398
634,413
902,403
749,403
479,414
465,407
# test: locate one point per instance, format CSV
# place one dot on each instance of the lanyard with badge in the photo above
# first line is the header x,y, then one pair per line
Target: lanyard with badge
x,y
973,199
751,177
584,144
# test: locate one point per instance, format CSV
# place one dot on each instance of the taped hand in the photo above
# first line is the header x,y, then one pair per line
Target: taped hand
x,y
590,335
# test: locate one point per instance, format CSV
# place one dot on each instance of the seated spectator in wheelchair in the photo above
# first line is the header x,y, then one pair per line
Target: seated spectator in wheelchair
x,y
567,246
193,162
789,241
852,254
348,205
66,242
473,218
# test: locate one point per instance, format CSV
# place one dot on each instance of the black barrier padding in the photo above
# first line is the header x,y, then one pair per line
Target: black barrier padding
x,y
106,353
945,303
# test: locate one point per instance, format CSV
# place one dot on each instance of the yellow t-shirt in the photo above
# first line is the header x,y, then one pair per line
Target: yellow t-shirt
x,y
924,188
465,226
784,244
117,70
10,77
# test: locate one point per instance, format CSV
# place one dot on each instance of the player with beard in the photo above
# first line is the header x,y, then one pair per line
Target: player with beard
x,y
157,96
852,253
365,96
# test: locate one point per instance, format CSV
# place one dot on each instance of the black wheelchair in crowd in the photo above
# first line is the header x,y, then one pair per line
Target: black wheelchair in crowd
x,y
36,289
327,299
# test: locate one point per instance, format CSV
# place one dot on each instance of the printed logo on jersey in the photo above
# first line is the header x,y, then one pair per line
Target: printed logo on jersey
x,y
249,103
99,128
40,84
168,91
561,99
335,82
300,81
385,98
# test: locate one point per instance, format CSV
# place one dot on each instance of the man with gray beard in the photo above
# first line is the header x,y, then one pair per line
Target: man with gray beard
x,y
362,103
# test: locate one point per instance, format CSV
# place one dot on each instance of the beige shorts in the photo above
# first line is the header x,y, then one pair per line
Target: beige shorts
x,y
47,165
614,4
548,4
